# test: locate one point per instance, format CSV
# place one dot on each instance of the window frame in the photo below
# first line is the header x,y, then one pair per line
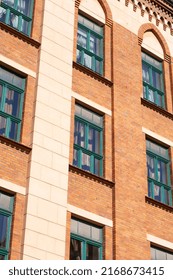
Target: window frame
x,y
9,117
87,241
9,214
166,252
94,57
84,150
21,16
149,85
154,181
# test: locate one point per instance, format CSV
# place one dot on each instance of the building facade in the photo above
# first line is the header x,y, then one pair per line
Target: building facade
x,y
86,138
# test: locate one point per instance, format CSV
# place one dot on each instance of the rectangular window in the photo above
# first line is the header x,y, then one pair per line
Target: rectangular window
x,y
88,136
158,166
11,104
160,254
17,14
86,241
153,86
90,44
6,211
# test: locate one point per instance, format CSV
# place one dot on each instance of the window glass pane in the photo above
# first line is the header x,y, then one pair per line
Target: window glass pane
x,y
169,256
95,45
79,134
24,7
5,201
74,226
162,172
2,14
145,73
97,120
98,66
151,96
79,56
157,80
11,78
25,26
167,197
97,166
84,229
12,103
14,20
92,252
150,167
82,38
2,257
85,162
76,157
149,189
153,256
13,130
94,140
87,115
75,249
9,2
3,122
0,93
95,233
160,255
157,192
87,61
157,149
3,230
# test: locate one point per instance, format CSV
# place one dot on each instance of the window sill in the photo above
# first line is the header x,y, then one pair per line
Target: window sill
x,y
91,176
158,204
92,74
20,35
156,108
14,144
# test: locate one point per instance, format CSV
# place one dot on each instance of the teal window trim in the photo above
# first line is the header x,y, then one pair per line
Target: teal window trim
x,y
7,213
6,12
158,95
88,239
157,172
84,243
82,51
10,118
84,150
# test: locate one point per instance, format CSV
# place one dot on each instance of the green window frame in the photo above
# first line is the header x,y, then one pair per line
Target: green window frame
x,y
17,14
153,81
160,254
12,87
88,141
90,44
6,212
158,167
86,241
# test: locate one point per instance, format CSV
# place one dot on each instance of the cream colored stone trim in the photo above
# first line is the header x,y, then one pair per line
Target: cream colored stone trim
x,y
160,241
18,66
91,103
12,187
157,136
89,215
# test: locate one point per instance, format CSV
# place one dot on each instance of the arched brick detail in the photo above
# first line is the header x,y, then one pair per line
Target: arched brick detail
x,y
105,7
150,27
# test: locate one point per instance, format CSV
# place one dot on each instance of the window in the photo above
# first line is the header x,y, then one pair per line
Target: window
x,y
152,74
6,210
17,14
90,44
88,141
158,165
160,254
86,241
11,103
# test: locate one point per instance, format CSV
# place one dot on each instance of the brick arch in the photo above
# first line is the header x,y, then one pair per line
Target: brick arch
x,y
105,7
150,27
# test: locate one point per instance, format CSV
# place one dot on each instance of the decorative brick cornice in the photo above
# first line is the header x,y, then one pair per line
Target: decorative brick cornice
x,y
15,145
156,108
159,12
19,35
91,176
92,74
158,204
